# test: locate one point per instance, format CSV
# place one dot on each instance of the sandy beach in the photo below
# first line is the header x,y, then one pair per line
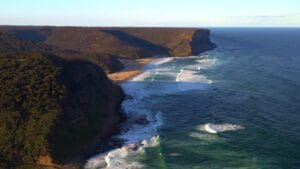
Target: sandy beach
x,y
132,68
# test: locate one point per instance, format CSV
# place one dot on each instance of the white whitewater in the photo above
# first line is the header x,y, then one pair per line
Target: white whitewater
x,y
118,158
179,74
140,129
217,128
162,60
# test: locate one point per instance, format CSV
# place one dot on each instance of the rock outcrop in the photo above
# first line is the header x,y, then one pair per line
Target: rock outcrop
x,y
201,42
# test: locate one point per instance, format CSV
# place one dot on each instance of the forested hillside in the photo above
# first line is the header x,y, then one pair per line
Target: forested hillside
x,y
129,43
52,108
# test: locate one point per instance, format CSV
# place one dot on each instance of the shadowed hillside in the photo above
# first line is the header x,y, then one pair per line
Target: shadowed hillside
x,y
11,44
147,49
51,109
122,42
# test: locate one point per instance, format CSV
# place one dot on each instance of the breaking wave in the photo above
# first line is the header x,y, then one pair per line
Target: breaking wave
x,y
160,77
217,128
119,158
162,61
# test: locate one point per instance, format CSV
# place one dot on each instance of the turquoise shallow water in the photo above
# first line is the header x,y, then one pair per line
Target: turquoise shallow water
x,y
247,91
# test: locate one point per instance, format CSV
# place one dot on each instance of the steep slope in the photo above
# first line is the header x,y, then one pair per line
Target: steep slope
x,y
51,108
11,43
201,42
177,40
130,43
89,40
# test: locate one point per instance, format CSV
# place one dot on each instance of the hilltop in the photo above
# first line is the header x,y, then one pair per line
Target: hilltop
x,y
103,46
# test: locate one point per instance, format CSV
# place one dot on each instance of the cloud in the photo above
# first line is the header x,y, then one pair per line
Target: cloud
x,y
262,16
262,20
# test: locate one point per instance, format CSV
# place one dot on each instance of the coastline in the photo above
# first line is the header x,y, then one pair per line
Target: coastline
x,y
131,44
113,144
116,149
132,68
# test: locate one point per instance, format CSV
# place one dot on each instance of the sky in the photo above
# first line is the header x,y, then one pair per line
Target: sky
x,y
171,13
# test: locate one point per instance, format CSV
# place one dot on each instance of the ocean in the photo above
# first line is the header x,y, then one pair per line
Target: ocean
x,y
237,106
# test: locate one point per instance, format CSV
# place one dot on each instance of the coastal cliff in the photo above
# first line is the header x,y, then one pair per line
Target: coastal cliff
x,y
201,42
130,43
56,99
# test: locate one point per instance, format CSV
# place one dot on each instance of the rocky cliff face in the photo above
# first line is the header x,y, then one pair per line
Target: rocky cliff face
x,y
201,42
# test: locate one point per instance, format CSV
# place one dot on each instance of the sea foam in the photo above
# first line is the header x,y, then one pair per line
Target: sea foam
x,y
120,158
162,60
216,128
140,129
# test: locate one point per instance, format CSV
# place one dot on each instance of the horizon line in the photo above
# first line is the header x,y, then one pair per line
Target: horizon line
x,y
150,26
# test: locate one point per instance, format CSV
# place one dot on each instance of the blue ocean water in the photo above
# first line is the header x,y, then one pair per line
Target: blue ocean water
x,y
237,106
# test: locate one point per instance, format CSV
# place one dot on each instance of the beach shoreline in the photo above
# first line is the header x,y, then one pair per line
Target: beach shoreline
x,y
132,69
117,146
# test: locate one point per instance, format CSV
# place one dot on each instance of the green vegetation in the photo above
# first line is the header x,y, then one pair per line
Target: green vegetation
x,y
9,44
130,43
30,93
109,63
51,106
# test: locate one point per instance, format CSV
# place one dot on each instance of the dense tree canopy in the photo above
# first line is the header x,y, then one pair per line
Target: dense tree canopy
x,y
30,92
50,106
